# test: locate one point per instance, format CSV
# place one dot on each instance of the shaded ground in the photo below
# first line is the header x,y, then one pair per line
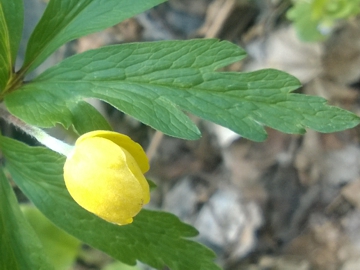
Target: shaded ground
x,y
291,202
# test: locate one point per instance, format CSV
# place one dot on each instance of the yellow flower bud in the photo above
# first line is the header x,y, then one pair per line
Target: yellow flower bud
x,y
105,175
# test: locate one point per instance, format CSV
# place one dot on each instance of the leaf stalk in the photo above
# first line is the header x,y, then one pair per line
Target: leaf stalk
x,y
39,134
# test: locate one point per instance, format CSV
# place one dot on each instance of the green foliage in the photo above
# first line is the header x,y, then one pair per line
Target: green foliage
x,y
151,238
11,22
65,20
153,82
60,247
20,247
314,19
86,118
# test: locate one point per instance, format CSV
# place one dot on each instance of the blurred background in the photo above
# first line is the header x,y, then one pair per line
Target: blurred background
x,y
289,203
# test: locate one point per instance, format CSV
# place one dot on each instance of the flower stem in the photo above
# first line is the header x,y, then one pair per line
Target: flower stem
x,y
40,135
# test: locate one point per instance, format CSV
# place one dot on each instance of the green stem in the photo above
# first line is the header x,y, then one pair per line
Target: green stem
x,y
40,135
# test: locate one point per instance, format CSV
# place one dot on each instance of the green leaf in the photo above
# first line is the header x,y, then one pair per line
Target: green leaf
x,y
11,23
20,248
86,118
65,20
60,247
154,81
155,238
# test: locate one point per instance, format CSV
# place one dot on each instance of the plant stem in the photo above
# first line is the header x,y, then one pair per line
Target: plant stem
x,y
40,135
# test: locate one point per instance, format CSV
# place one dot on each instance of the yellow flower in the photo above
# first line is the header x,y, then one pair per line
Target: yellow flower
x,y
105,175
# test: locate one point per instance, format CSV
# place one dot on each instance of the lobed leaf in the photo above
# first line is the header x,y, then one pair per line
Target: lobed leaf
x,y
11,23
154,82
65,20
155,238
20,248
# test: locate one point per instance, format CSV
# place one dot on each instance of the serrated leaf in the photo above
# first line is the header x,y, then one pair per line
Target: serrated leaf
x,y
137,100
65,20
20,248
153,81
11,23
155,238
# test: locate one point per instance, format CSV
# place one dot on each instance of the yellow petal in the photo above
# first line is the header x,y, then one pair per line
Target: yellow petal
x,y
123,141
138,175
104,179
